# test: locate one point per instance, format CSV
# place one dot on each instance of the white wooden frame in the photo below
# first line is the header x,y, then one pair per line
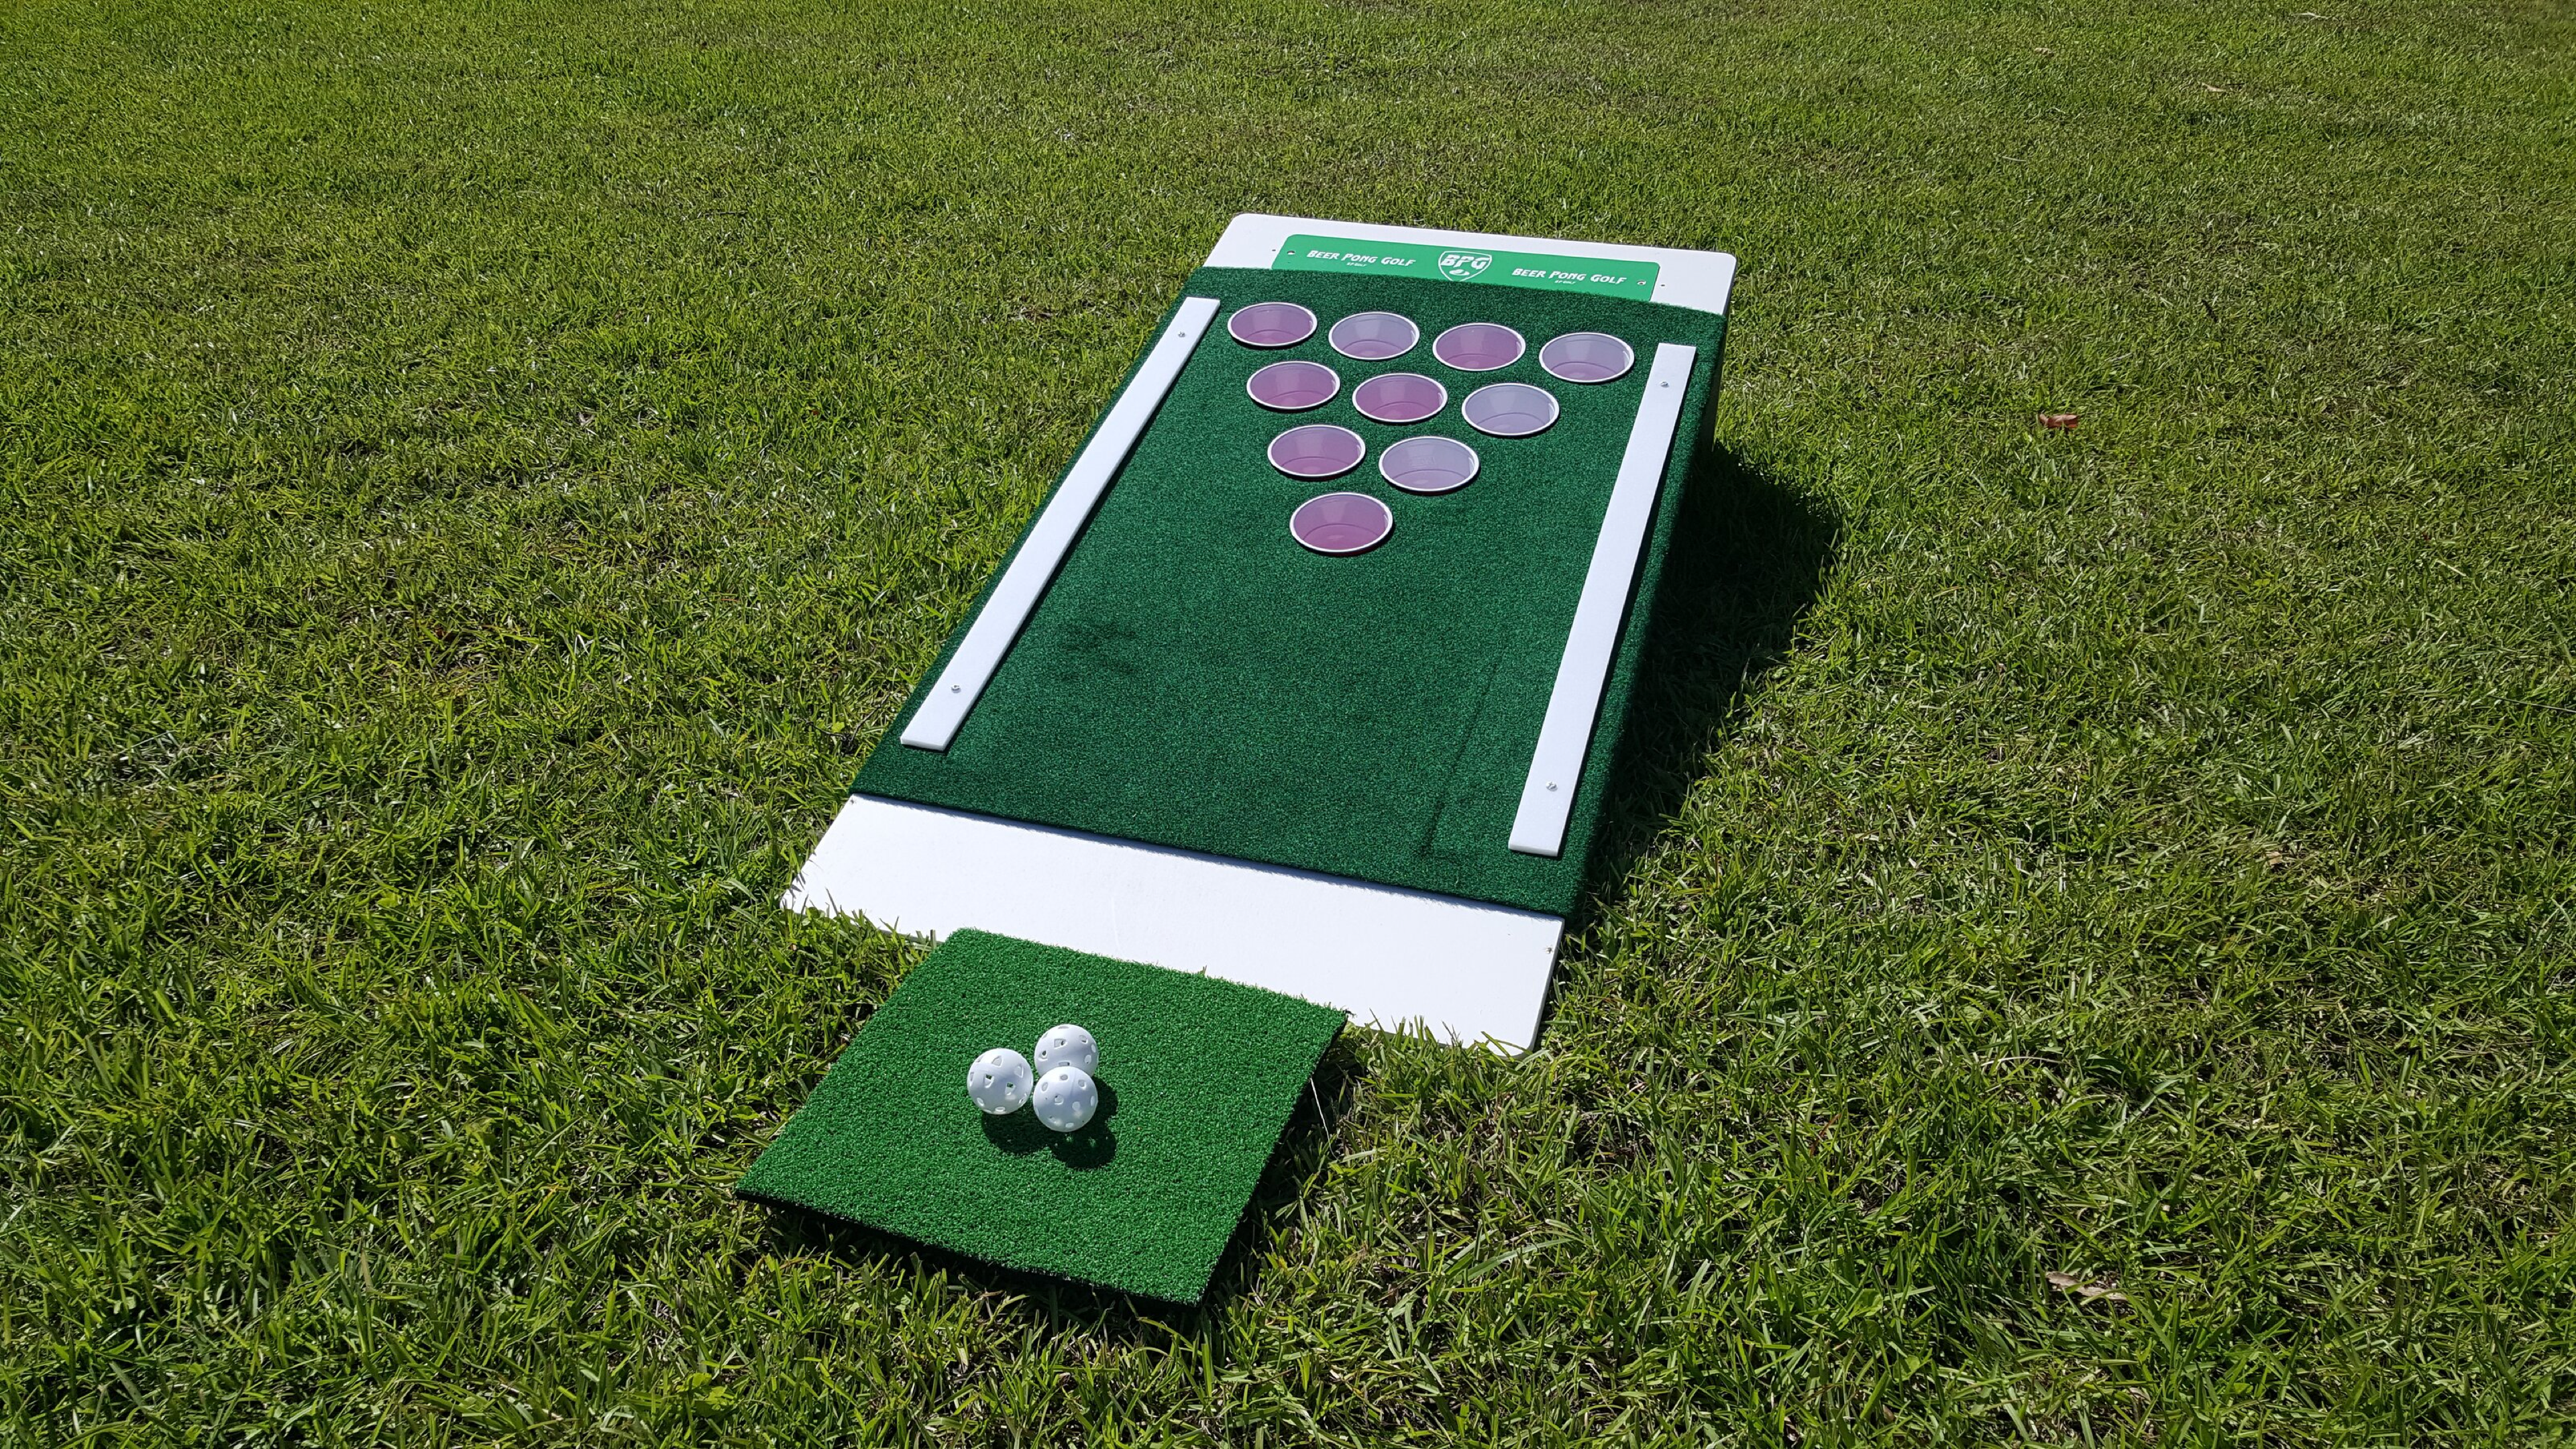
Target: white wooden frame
x,y
1697,280
1466,972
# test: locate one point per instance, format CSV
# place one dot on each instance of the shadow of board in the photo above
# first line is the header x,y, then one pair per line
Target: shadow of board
x,y
1750,556
1304,1147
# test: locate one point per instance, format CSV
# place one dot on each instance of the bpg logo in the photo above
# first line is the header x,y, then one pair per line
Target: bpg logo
x,y
1464,266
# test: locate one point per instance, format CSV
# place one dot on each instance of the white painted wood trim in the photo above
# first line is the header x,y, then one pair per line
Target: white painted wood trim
x,y
1556,766
1697,280
998,624
1467,972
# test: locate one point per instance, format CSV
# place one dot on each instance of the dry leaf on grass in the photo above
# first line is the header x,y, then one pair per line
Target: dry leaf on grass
x,y
2091,1292
2062,422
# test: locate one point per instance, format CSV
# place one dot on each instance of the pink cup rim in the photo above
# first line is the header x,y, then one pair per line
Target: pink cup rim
x,y
1386,462
1552,369
1384,417
1358,449
1386,521
1520,347
1252,384
1253,308
1469,411
1335,335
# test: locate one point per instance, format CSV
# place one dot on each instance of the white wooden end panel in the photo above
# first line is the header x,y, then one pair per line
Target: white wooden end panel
x,y
1697,280
1468,972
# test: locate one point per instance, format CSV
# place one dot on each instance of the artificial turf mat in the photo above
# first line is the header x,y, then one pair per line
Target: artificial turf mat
x,y
1194,678
1197,1078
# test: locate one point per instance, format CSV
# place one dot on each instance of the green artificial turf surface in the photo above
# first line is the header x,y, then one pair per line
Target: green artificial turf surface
x,y
478,479
1195,678
1197,1078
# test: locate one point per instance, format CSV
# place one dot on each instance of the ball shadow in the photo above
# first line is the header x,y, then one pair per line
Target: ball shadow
x,y
1094,1144
1017,1133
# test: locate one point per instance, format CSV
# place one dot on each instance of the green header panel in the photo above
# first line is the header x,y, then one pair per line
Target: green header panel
x,y
1303,253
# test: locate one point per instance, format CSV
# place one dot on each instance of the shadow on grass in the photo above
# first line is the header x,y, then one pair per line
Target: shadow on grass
x,y
1303,1149
1749,557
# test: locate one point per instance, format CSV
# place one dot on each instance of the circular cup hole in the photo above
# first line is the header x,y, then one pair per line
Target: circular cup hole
x,y
1341,523
1509,409
1586,357
1399,397
1428,464
1317,450
1293,387
1271,324
1374,336
1479,346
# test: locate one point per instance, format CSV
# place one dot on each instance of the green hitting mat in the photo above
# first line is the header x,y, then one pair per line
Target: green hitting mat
x,y
1197,1076
1311,673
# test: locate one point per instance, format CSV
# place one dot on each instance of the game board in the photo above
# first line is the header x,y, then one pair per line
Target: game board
x,y
1311,670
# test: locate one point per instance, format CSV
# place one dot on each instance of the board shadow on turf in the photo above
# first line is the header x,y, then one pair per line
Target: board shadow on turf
x,y
1750,556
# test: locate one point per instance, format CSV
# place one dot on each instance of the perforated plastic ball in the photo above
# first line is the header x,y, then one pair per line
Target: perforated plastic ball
x,y
999,1081
1066,1098
1067,1046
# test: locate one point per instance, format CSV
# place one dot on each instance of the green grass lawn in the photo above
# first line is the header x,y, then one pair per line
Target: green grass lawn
x,y
2088,952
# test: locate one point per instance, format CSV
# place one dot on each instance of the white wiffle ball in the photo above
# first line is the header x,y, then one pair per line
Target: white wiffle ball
x,y
1067,1046
1066,1098
999,1081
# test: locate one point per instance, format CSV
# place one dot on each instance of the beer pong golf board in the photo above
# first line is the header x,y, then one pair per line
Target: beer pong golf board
x,y
1310,672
